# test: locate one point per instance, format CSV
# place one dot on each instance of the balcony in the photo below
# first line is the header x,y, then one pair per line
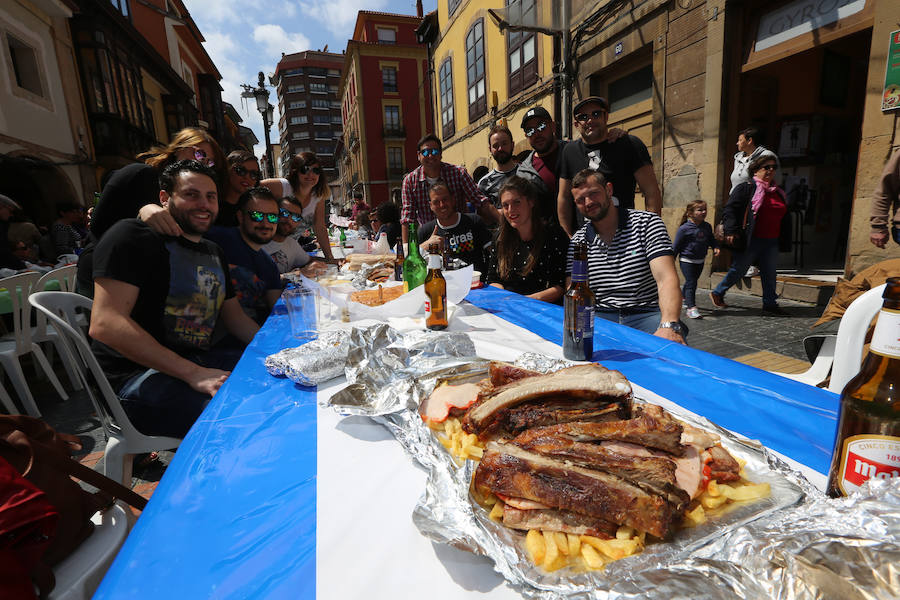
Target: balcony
x,y
353,143
394,132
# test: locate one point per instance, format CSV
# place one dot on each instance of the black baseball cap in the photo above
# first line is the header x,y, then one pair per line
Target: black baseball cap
x,y
537,111
595,99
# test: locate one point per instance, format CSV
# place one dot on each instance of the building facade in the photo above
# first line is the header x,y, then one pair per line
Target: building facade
x,y
309,104
385,102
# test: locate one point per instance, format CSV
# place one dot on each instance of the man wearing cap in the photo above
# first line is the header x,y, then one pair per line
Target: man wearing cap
x,y
545,148
624,160
500,145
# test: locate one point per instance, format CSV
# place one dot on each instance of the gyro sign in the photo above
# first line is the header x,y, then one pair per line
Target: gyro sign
x,y
802,16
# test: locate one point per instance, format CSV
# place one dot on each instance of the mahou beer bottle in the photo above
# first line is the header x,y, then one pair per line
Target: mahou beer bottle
x,y
435,295
578,324
868,436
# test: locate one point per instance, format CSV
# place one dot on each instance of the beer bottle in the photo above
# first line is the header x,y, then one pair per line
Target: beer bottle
x,y
414,268
398,261
342,240
435,295
868,436
578,324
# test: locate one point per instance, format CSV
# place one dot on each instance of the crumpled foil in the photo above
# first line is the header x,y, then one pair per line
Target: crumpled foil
x,y
312,363
795,544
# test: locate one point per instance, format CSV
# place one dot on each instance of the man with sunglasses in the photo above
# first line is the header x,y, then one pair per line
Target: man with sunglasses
x,y
500,145
157,301
256,280
284,249
415,203
540,131
625,159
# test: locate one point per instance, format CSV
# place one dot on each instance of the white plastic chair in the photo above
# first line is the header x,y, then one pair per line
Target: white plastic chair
x,y
62,308
79,575
42,332
21,343
819,370
7,402
851,337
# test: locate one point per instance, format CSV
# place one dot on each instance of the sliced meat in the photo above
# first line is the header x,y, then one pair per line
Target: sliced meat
x,y
558,520
521,503
698,438
513,471
688,467
436,407
581,382
722,466
502,373
653,428
554,411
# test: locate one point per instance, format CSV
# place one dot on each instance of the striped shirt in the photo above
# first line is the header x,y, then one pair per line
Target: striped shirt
x,y
414,193
619,273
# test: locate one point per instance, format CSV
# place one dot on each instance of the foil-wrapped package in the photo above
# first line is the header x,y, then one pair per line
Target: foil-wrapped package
x,y
795,544
313,363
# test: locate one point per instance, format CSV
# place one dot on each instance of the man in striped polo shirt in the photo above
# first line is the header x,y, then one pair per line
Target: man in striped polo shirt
x,y
631,267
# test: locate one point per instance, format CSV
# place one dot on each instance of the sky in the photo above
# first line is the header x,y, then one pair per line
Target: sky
x,y
243,38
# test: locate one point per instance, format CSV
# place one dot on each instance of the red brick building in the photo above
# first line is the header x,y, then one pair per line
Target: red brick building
x,y
385,102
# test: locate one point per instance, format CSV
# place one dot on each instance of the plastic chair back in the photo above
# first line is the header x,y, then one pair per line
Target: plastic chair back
x,y
851,337
64,275
19,288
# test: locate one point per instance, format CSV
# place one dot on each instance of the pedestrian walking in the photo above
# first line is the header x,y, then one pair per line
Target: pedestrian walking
x,y
692,241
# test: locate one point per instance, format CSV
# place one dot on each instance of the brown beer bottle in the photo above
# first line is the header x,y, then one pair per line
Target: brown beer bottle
x,y
435,294
578,303
868,435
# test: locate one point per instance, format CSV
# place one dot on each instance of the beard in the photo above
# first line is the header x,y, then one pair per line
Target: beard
x,y
502,157
182,217
259,237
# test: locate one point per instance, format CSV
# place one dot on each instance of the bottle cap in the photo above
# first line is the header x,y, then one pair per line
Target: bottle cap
x,y
435,261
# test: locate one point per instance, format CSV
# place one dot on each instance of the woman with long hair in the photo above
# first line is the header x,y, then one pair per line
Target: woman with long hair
x,y
243,174
752,223
307,183
529,255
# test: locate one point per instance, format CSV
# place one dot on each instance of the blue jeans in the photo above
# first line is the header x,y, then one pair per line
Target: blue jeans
x,y
763,253
642,320
691,276
159,404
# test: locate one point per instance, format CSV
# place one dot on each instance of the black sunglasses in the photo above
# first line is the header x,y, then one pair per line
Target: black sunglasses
x,y
595,114
306,169
430,152
768,167
257,216
285,213
531,131
242,171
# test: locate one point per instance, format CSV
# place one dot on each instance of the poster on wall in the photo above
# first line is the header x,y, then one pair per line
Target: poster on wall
x,y
890,99
794,139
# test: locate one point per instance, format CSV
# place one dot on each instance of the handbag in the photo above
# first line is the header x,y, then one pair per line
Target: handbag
x,y
43,457
740,238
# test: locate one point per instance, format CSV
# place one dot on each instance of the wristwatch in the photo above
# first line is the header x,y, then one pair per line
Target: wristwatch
x,y
676,326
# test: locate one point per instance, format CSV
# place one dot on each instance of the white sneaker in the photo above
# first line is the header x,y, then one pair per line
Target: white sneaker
x,y
694,313
752,272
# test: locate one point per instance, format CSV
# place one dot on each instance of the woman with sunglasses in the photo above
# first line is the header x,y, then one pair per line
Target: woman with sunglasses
x,y
243,174
752,221
307,182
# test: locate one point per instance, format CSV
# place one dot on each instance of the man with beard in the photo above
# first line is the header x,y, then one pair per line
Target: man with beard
x,y
157,300
500,144
631,266
540,131
255,278
625,160
284,249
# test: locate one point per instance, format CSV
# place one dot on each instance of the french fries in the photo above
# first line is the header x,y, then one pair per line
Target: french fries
x,y
461,445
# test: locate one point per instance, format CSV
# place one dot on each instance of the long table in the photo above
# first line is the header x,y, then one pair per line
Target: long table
x,y
270,496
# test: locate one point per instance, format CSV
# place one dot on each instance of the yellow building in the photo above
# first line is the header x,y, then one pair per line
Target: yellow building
x,y
480,75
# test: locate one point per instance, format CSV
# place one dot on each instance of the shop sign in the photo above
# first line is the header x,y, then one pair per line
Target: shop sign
x,y
802,16
890,99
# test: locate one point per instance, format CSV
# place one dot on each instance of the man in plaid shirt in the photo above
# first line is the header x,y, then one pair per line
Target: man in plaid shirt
x,y
414,192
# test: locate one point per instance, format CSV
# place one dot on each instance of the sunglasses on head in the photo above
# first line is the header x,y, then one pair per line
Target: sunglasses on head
x,y
257,216
769,167
242,171
594,114
285,213
306,169
532,130
426,152
201,156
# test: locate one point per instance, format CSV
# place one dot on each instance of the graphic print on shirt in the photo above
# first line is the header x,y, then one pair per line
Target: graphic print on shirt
x,y
595,162
460,243
196,293
249,289
281,260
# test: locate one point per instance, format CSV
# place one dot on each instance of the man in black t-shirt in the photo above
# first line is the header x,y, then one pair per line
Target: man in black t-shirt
x,y
157,301
467,236
624,161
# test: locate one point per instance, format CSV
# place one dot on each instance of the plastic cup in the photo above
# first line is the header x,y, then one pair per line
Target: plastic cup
x,y
302,311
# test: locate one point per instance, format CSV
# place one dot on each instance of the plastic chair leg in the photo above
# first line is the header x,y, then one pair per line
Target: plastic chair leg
x,y
42,360
68,361
116,463
17,377
7,401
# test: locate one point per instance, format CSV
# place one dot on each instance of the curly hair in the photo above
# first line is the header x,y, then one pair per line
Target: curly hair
x,y
508,239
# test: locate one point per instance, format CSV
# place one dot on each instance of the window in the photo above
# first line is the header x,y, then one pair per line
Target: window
x,y
324,149
121,6
386,36
291,72
318,88
336,104
334,73
298,120
452,5
389,79
475,71
321,119
296,89
320,103
391,118
523,67
316,71
336,119
297,105
395,159
333,89
323,134
300,135
635,87
446,88
25,66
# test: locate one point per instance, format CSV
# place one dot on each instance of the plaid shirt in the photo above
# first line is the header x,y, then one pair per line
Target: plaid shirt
x,y
414,193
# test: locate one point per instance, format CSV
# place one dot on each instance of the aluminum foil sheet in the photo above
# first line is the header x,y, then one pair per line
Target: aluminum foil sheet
x,y
312,363
795,544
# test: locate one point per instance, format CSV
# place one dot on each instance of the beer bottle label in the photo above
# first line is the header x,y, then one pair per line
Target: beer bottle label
x,y
866,456
584,323
886,338
427,306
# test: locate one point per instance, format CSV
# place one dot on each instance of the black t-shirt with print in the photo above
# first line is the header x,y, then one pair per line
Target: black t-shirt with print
x,y
469,239
182,286
620,159
549,271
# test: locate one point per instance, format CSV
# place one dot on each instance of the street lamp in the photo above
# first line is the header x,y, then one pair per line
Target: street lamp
x,y
266,111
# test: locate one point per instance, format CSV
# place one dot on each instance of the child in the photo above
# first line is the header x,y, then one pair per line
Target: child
x,y
692,242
